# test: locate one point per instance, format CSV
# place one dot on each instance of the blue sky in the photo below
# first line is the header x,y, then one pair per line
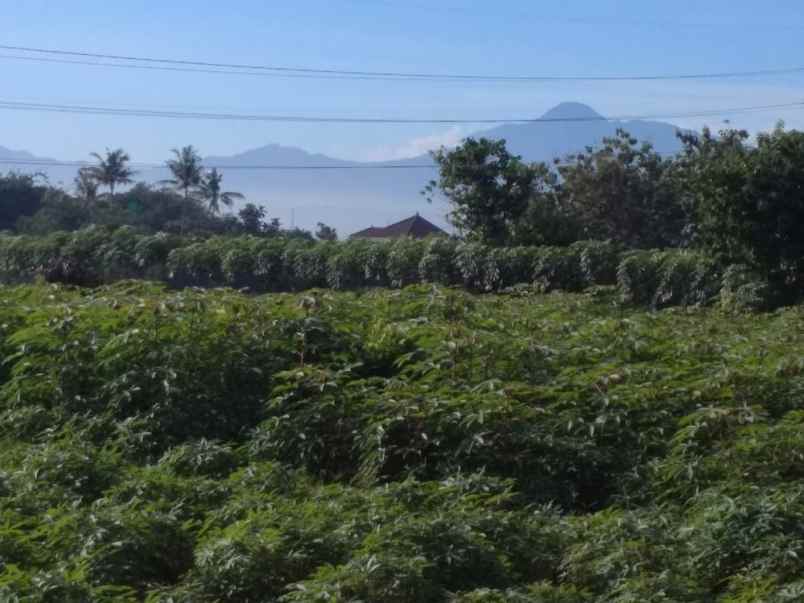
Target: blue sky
x,y
509,37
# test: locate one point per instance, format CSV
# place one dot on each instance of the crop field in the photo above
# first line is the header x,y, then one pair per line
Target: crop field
x,y
424,444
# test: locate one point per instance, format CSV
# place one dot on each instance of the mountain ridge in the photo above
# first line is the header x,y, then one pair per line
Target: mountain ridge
x,y
351,199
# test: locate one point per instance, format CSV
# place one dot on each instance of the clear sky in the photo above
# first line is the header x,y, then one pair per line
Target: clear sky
x,y
508,37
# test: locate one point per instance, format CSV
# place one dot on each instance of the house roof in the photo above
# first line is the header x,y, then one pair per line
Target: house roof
x,y
415,226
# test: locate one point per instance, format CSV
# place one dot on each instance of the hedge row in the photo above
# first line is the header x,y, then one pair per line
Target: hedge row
x,y
97,256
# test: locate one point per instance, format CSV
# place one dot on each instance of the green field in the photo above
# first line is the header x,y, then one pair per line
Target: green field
x,y
423,444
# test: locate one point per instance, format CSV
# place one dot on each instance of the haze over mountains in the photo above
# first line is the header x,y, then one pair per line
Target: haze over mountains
x,y
354,198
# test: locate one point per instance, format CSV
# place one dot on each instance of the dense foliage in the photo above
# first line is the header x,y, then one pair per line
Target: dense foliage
x,y
621,190
737,199
748,200
391,446
21,196
190,202
274,264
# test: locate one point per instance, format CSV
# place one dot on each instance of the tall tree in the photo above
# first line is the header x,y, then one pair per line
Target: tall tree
x,y
21,195
112,169
499,199
252,217
326,233
186,169
748,199
210,190
624,190
488,187
86,185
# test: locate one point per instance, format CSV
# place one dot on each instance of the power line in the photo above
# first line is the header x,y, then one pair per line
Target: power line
x,y
266,167
174,69
540,17
144,166
117,112
318,72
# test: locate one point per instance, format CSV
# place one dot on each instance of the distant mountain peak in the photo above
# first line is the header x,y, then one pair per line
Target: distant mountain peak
x,y
15,155
276,154
351,199
572,111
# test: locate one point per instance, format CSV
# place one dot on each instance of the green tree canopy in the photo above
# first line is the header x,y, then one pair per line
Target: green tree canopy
x,y
186,169
488,187
623,190
326,233
749,200
20,195
498,199
112,169
86,185
212,193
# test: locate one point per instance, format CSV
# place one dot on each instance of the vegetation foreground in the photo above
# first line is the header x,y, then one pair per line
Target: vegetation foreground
x,y
424,444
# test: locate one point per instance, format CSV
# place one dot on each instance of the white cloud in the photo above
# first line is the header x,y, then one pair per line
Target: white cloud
x,y
416,146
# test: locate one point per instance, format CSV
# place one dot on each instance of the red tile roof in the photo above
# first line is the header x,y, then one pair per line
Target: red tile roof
x,y
415,226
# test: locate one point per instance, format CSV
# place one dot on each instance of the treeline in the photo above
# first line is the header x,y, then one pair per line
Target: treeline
x,y
191,201
654,278
735,199
731,199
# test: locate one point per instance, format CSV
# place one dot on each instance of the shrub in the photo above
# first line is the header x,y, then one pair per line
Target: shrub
x,y
424,444
639,277
197,265
558,268
656,279
404,257
270,272
599,260
686,279
238,263
743,289
126,548
354,265
151,254
201,458
476,272
438,264
516,265
306,263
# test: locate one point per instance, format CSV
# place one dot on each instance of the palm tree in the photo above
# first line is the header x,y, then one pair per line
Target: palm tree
x,y
86,185
112,169
186,169
210,189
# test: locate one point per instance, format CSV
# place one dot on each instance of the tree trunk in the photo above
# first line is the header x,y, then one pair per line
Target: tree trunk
x,y
183,217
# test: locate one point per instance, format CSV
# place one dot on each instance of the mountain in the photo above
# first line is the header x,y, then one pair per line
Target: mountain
x,y
356,195
546,140
349,197
62,176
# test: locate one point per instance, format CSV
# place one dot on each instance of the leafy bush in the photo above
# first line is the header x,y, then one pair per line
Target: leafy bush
x,y
396,445
197,265
599,260
686,279
639,277
404,257
200,458
438,262
651,278
135,549
558,268
743,289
